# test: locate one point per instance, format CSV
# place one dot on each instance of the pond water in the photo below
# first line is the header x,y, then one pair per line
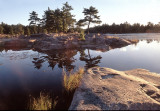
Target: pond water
x,y
26,73
140,36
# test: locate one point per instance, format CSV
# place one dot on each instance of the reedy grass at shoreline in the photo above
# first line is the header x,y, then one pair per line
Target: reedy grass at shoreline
x,y
44,102
72,81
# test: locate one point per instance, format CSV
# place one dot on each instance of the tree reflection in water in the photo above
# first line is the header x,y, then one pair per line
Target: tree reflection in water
x,y
61,58
64,59
38,62
90,61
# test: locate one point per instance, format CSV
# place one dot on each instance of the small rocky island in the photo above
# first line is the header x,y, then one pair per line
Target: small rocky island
x,y
45,42
107,89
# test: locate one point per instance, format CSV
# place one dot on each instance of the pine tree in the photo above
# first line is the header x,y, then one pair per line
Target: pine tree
x,y
80,24
68,20
58,20
20,29
33,29
91,16
11,30
1,29
6,28
33,18
49,20
27,31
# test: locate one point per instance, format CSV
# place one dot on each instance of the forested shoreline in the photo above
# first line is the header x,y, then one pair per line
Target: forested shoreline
x,y
126,28
61,20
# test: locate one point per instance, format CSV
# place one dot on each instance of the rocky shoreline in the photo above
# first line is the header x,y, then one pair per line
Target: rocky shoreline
x,y
136,89
68,41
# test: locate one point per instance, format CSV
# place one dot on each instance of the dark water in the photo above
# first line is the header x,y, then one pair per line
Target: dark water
x,y
26,73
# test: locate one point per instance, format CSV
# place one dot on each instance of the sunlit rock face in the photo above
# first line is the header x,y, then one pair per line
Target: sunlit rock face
x,y
108,89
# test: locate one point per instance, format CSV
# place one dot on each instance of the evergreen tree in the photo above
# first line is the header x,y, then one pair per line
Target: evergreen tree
x,y
27,31
20,29
49,20
34,20
33,29
6,28
91,16
1,29
11,30
58,20
80,24
68,20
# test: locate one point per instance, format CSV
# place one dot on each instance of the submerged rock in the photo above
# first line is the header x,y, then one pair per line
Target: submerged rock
x,y
108,89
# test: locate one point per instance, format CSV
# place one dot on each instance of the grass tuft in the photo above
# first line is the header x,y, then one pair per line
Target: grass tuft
x,y
44,102
72,81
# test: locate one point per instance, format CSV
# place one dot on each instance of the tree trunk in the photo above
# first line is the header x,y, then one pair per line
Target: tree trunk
x,y
88,27
63,25
89,23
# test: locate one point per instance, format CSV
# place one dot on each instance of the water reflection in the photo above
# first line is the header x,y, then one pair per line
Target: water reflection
x,y
89,60
38,62
28,72
139,36
64,59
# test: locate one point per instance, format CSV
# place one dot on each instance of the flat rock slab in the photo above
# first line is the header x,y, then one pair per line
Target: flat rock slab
x,y
108,89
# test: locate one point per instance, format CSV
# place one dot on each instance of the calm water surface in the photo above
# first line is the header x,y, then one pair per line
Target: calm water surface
x,y
26,73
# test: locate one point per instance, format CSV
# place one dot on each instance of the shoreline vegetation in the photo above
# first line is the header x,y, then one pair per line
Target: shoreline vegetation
x,y
71,82
44,102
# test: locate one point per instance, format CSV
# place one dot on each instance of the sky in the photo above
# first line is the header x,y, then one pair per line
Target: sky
x,y
111,11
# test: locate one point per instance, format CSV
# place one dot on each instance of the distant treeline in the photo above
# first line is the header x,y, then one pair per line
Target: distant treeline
x,y
62,20
18,29
126,28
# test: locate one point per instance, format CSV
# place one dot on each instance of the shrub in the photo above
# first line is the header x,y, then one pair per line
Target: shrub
x,y
82,35
45,31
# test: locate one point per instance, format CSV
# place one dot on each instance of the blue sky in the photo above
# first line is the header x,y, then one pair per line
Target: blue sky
x,y
118,11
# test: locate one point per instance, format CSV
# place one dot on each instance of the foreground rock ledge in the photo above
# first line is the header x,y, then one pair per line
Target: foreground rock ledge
x,y
108,89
